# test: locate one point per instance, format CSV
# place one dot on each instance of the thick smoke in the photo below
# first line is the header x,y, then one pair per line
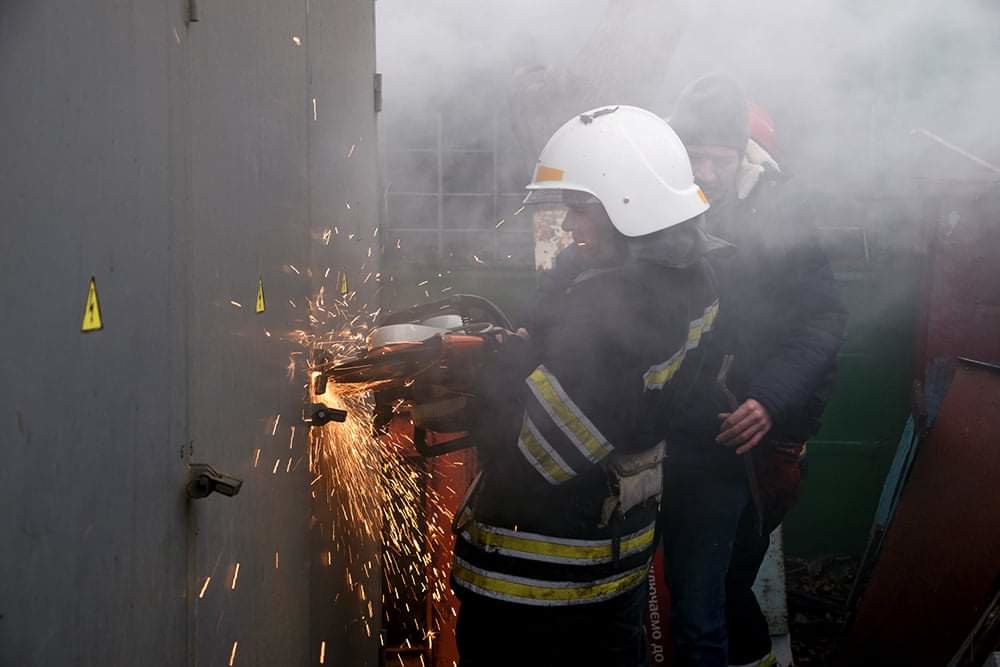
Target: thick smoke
x,y
846,82
885,115
884,112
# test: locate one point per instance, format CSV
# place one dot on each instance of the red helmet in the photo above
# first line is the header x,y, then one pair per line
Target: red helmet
x,y
762,129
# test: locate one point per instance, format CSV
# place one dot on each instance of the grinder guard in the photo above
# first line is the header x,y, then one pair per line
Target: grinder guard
x,y
429,363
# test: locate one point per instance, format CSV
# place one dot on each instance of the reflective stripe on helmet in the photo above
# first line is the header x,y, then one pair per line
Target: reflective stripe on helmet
x,y
543,173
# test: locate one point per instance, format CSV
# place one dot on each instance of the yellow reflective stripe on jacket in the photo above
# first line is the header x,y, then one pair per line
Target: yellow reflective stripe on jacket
x,y
711,313
541,455
532,546
544,593
567,416
656,377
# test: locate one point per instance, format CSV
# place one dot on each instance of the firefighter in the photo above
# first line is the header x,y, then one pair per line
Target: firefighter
x,y
554,540
784,323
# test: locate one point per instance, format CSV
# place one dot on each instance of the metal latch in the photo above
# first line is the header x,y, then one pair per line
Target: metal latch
x,y
204,481
320,414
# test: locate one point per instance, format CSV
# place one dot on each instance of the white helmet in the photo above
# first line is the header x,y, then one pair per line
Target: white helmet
x,y
627,158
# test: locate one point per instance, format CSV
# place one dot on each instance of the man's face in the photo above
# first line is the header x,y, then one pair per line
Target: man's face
x,y
593,233
715,170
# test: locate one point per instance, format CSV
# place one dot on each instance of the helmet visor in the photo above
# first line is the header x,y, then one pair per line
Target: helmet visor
x,y
557,198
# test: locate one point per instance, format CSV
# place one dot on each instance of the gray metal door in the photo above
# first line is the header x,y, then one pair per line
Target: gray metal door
x,y
92,511
245,226
269,96
183,167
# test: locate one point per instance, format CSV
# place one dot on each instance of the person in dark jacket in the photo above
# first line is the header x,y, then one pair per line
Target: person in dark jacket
x,y
783,323
553,544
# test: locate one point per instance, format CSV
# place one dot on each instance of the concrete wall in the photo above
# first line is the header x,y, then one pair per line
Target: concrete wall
x,y
177,164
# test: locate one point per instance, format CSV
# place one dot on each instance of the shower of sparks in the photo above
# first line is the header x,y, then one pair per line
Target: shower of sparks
x,y
500,224
518,211
296,40
351,152
256,457
232,654
476,257
204,587
315,116
274,428
236,575
374,492
275,470
236,304
292,267
276,560
322,652
291,439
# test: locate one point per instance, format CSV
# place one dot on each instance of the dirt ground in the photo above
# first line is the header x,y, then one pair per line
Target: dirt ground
x,y
817,596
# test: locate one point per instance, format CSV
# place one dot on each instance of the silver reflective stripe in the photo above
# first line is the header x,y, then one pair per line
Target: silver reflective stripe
x,y
544,593
547,549
540,454
656,377
565,414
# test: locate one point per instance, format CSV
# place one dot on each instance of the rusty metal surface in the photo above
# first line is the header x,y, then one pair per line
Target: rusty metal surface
x,y
942,552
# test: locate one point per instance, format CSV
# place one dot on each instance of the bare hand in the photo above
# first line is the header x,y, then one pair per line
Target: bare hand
x,y
744,428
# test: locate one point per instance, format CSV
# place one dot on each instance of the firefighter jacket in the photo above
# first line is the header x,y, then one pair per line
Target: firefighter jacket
x,y
783,317
564,511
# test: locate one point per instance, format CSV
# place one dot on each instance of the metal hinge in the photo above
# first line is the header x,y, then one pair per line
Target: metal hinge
x,y
378,92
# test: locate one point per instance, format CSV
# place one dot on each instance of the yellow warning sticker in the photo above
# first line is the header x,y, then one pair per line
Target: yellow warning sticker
x,y
92,310
342,283
260,295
